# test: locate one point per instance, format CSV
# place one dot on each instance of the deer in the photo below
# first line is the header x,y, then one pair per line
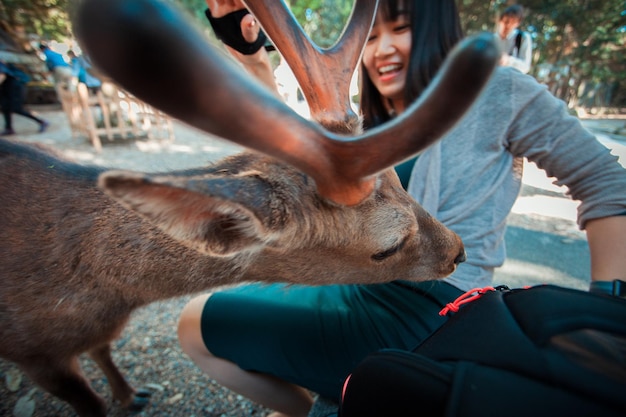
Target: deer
x,y
311,201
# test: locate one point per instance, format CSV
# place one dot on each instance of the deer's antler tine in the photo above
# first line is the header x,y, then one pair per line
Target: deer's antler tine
x,y
151,50
350,45
458,83
324,75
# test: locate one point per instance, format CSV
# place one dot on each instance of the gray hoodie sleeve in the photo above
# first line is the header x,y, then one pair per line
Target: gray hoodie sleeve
x,y
543,131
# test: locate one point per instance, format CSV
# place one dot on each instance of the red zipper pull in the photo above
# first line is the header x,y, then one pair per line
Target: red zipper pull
x,y
468,297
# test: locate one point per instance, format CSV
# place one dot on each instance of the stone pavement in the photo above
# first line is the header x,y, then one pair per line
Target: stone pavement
x,y
192,148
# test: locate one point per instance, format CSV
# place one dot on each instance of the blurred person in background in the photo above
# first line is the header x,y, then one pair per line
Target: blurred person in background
x,y
12,92
60,69
81,69
517,45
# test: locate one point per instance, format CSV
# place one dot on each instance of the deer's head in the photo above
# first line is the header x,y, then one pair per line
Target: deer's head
x,y
325,206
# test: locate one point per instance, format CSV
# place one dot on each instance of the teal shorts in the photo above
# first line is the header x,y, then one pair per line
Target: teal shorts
x,y
314,336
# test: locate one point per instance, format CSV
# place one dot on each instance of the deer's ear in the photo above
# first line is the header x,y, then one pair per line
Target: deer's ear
x,y
216,216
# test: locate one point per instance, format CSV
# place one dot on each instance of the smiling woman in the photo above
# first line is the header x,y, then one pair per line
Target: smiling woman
x,y
469,180
387,55
412,49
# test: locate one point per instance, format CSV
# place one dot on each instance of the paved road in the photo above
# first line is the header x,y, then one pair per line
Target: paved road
x,y
544,244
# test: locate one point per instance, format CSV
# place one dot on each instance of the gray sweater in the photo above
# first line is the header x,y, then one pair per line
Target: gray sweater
x,y
471,178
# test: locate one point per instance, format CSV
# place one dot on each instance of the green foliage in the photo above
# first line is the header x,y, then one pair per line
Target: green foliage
x,y
195,8
578,30
46,18
588,37
478,16
322,20
577,43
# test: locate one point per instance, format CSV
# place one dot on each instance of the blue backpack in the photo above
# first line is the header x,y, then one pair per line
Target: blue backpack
x,y
18,74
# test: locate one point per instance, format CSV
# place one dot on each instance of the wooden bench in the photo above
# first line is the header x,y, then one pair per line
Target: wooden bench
x,y
112,114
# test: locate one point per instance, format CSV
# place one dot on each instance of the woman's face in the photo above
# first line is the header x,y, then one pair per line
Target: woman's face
x,y
386,57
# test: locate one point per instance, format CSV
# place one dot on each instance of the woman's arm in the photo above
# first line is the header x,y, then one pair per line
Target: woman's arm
x,y
544,133
257,64
607,246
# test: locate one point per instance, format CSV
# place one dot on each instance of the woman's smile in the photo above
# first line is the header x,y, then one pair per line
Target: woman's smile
x,y
389,72
386,58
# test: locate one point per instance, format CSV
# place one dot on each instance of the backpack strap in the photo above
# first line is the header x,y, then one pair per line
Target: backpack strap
x,y
518,43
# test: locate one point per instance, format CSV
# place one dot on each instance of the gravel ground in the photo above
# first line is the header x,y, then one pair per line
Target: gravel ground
x,y
148,351
149,355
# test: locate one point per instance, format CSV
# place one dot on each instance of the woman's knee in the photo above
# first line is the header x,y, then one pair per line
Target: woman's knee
x,y
190,327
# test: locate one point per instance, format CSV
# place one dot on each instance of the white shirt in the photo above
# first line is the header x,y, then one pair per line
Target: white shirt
x,y
521,59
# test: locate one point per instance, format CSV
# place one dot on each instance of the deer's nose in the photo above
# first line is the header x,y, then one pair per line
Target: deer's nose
x,y
461,257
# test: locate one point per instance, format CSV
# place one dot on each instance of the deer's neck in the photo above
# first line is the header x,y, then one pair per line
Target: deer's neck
x,y
149,265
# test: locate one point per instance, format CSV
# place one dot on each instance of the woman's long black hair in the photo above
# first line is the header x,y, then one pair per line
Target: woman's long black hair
x,y
435,30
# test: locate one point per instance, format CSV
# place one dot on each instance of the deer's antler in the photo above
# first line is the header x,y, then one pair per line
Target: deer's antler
x,y
152,51
324,75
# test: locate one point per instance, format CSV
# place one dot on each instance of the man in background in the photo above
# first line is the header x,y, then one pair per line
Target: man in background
x,y
81,69
12,91
516,44
60,69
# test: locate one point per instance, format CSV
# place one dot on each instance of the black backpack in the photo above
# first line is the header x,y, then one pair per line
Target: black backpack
x,y
542,351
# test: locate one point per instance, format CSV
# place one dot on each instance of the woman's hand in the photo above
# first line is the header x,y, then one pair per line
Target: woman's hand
x,y
221,8
258,64
249,27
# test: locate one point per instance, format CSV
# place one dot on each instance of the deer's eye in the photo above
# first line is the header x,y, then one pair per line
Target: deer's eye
x,y
381,256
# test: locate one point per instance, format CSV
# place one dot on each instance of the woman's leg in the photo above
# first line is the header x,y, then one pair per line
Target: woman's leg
x,y
271,392
254,337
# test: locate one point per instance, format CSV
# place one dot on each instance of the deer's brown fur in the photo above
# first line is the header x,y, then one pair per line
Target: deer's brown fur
x,y
74,262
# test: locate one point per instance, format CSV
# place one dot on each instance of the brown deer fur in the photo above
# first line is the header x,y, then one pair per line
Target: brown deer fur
x,y
74,262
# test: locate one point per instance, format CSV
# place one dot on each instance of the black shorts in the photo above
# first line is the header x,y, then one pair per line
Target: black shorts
x,y
314,336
